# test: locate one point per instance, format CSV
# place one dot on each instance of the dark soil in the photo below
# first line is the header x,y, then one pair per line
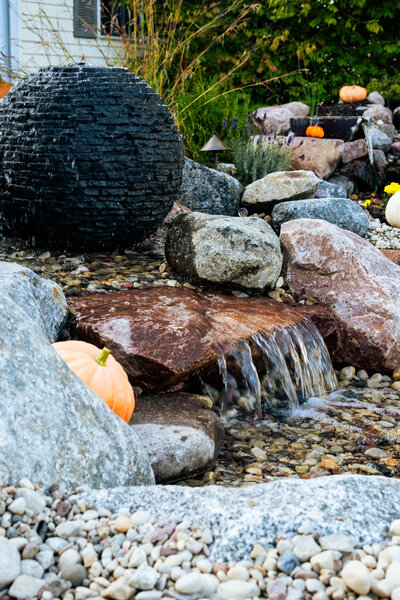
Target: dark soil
x,y
342,109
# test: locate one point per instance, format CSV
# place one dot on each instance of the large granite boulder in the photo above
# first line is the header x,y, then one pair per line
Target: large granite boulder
x,y
321,156
209,191
327,189
224,252
340,211
53,428
280,186
240,517
355,281
380,140
181,434
276,119
41,299
163,336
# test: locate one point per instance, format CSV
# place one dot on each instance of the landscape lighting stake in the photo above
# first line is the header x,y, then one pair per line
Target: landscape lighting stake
x,y
214,145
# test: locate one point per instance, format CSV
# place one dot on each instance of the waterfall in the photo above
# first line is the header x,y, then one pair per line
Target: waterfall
x,y
275,373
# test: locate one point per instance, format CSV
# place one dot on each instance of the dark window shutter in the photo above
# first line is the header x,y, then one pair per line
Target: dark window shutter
x,y
85,18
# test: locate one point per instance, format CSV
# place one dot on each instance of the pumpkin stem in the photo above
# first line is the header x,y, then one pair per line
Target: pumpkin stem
x,y
102,358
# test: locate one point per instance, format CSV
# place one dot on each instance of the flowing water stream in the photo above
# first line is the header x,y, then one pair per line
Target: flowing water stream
x,y
275,373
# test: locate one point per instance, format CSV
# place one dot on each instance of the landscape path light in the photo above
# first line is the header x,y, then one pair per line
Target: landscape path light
x,y
214,145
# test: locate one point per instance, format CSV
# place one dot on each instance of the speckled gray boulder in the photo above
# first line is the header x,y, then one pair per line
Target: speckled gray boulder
x,y
240,517
209,191
340,211
330,190
344,182
41,299
380,140
53,429
224,252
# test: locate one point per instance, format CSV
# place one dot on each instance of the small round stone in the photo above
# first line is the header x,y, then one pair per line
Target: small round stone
x,y
123,524
191,583
357,577
393,574
74,573
18,506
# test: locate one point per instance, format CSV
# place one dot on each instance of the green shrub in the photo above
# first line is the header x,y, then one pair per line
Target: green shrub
x,y
255,156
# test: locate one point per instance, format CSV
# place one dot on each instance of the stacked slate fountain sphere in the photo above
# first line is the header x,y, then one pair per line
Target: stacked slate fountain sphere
x,y
90,158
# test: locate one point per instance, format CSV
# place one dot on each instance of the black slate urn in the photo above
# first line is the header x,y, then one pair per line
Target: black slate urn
x,y
90,158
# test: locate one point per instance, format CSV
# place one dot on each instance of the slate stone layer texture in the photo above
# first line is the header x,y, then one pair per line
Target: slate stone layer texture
x,y
90,158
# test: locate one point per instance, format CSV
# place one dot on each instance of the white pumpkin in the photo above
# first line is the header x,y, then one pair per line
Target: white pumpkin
x,y
392,212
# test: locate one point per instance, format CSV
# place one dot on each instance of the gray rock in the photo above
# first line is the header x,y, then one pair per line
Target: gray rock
x,y
276,119
288,561
181,435
344,182
41,299
326,189
340,211
224,252
387,128
10,562
74,573
379,113
281,186
240,517
376,98
52,427
209,191
380,141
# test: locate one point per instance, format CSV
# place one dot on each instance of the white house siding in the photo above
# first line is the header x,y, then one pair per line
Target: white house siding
x,y
46,38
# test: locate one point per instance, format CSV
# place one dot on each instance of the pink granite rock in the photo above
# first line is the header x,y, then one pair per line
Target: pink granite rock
x,y
356,281
354,150
319,155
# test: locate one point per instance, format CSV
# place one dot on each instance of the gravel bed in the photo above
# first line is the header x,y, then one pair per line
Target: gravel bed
x,y
55,547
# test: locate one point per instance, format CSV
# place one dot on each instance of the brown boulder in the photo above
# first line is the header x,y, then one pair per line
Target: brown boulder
x,y
319,155
162,336
354,150
356,281
181,435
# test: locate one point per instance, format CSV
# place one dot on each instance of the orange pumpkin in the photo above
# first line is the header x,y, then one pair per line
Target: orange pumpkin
x,y
353,93
4,88
102,373
315,131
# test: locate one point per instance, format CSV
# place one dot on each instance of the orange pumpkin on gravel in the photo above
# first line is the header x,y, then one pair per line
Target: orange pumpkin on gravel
x,y
315,131
352,93
102,373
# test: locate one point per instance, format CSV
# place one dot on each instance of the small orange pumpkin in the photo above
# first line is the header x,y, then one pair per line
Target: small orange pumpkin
x,y
315,131
102,373
352,93
4,88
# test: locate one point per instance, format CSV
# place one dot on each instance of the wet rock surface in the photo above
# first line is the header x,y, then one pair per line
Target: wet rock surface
x,y
163,336
209,191
224,252
352,277
180,433
53,428
340,211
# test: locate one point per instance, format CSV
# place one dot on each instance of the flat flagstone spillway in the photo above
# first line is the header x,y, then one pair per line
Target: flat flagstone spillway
x,y
163,336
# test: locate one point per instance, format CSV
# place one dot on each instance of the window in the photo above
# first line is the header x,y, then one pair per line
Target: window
x,y
114,18
94,17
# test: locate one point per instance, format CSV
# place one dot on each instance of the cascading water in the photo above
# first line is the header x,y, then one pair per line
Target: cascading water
x,y
274,373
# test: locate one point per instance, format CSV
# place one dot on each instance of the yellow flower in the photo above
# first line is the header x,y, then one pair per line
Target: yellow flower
x,y
367,203
392,188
